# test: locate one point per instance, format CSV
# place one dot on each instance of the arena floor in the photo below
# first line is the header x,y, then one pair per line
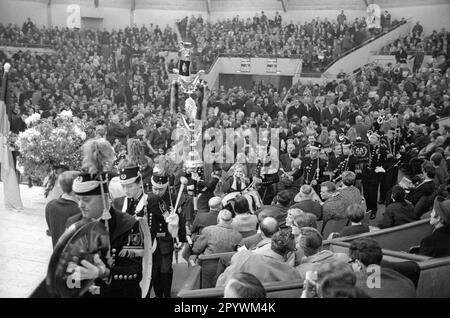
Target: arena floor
x,y
25,249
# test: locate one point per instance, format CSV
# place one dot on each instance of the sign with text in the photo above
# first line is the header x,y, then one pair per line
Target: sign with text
x,y
271,65
245,65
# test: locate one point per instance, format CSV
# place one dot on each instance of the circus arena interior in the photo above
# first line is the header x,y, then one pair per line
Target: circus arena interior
x,y
224,149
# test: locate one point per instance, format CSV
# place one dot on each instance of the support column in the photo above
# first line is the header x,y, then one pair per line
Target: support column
x,y
132,9
49,14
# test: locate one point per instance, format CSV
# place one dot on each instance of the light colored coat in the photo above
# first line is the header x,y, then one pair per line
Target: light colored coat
x,y
219,238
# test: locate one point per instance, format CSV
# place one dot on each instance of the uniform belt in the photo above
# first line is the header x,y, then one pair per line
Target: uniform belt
x,y
160,234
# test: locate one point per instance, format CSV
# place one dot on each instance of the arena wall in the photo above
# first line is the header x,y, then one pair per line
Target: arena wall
x,y
433,14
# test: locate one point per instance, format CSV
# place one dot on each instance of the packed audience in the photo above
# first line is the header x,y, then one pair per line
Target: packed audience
x,y
433,44
317,42
95,74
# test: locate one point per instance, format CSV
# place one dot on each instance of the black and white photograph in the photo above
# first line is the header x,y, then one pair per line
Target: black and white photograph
x,y
206,149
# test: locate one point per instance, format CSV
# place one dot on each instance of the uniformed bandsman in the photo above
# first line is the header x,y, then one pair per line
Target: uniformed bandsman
x,y
122,277
160,203
314,166
346,162
373,173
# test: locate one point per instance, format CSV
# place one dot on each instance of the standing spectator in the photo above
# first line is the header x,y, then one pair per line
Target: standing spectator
x,y
386,20
59,210
27,26
341,18
417,30
278,19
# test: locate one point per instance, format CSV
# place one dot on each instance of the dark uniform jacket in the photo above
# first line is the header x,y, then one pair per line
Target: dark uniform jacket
x,y
437,244
126,272
158,227
309,167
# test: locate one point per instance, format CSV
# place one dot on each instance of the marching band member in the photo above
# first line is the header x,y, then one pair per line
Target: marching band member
x,y
314,167
120,274
160,206
346,162
373,172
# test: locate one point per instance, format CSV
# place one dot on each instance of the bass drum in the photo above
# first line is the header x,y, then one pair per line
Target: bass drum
x,y
361,152
81,241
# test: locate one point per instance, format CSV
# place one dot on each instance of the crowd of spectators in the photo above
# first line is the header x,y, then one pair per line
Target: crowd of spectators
x,y
116,76
434,44
317,42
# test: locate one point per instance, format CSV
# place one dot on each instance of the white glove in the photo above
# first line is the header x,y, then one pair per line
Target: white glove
x,y
379,170
88,270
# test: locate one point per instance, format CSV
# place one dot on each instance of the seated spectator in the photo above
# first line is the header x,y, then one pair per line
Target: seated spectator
x,y
355,214
399,211
244,285
267,228
279,210
334,280
203,220
244,222
426,187
58,211
267,268
310,242
303,220
218,238
438,243
366,256
441,173
334,205
251,241
304,201
291,214
349,193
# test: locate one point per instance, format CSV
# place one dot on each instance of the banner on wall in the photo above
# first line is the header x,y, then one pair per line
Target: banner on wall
x,y
245,65
271,65
74,16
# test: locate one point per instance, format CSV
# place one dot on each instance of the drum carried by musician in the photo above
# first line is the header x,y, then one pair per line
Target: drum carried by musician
x,y
101,253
